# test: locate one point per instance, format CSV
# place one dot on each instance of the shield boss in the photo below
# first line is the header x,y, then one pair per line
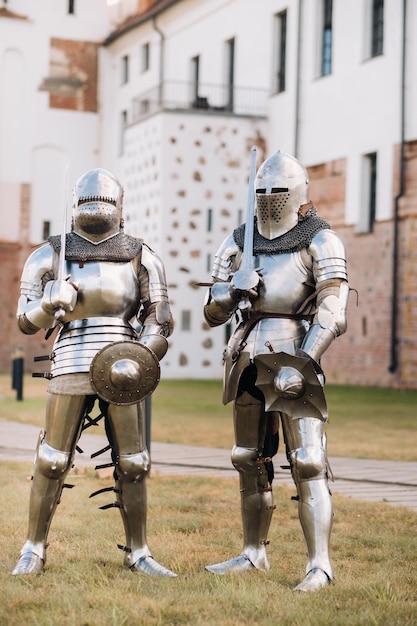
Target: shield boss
x,y
124,372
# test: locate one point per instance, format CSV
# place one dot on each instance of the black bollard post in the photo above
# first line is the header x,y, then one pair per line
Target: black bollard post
x,y
148,412
17,372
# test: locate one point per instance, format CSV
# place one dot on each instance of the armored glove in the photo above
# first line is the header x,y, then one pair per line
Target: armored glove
x,y
59,297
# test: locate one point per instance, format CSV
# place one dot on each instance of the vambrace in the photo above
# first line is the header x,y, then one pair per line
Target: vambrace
x,y
153,339
329,320
157,325
38,270
220,305
31,316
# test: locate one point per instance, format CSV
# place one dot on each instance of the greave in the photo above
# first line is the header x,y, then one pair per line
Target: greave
x,y
316,516
257,508
44,497
132,501
256,493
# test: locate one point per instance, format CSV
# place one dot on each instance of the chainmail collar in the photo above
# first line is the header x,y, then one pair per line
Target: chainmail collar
x,y
294,240
121,247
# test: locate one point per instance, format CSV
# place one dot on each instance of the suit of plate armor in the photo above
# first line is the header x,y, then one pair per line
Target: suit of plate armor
x,y
297,310
114,290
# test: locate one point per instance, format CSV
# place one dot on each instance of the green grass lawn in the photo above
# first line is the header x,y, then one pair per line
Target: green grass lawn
x,y
364,422
193,522
196,521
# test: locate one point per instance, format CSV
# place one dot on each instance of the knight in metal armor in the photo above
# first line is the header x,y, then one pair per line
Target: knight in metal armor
x,y
287,281
106,293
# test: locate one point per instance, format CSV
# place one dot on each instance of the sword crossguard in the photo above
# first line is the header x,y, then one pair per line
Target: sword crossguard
x,y
245,280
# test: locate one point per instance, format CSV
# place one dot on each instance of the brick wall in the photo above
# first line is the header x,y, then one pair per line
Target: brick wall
x,y
72,83
362,355
11,337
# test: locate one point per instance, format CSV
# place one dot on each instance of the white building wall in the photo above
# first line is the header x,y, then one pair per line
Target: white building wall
x,y
177,166
353,111
37,142
346,115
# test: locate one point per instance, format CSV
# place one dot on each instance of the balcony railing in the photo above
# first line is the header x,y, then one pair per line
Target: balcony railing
x,y
188,96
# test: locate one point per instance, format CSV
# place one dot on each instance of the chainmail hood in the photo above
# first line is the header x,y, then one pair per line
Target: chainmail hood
x,y
294,240
121,247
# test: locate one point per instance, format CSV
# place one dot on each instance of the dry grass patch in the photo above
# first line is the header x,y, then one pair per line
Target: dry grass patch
x,y
193,522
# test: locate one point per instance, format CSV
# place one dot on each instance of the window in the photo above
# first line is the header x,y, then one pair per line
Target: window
x,y
327,38
369,195
125,69
377,44
46,230
230,76
372,172
71,7
144,106
209,264
145,57
123,124
209,220
198,101
281,50
185,320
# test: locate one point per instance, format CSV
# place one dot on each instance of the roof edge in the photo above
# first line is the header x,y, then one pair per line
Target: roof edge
x,y
136,20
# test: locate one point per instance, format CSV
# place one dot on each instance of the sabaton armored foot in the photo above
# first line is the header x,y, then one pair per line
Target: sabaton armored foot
x,y
239,564
148,565
29,563
316,579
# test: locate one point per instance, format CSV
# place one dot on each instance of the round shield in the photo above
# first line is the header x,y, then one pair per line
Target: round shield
x,y
124,372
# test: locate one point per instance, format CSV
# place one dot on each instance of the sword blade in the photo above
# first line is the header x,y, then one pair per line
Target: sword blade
x,y
247,258
61,265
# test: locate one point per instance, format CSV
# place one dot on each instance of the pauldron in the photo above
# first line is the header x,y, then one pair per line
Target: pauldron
x,y
121,247
294,240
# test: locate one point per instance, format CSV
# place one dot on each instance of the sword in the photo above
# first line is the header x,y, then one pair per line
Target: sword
x,y
61,263
246,278
61,266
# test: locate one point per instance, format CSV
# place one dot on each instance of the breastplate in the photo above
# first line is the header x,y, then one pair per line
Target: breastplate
x,y
108,297
105,288
287,283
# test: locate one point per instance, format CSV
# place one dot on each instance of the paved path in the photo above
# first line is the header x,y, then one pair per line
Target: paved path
x,y
373,481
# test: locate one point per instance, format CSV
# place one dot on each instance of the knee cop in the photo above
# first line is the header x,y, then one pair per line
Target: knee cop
x,y
133,467
49,461
251,467
308,463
